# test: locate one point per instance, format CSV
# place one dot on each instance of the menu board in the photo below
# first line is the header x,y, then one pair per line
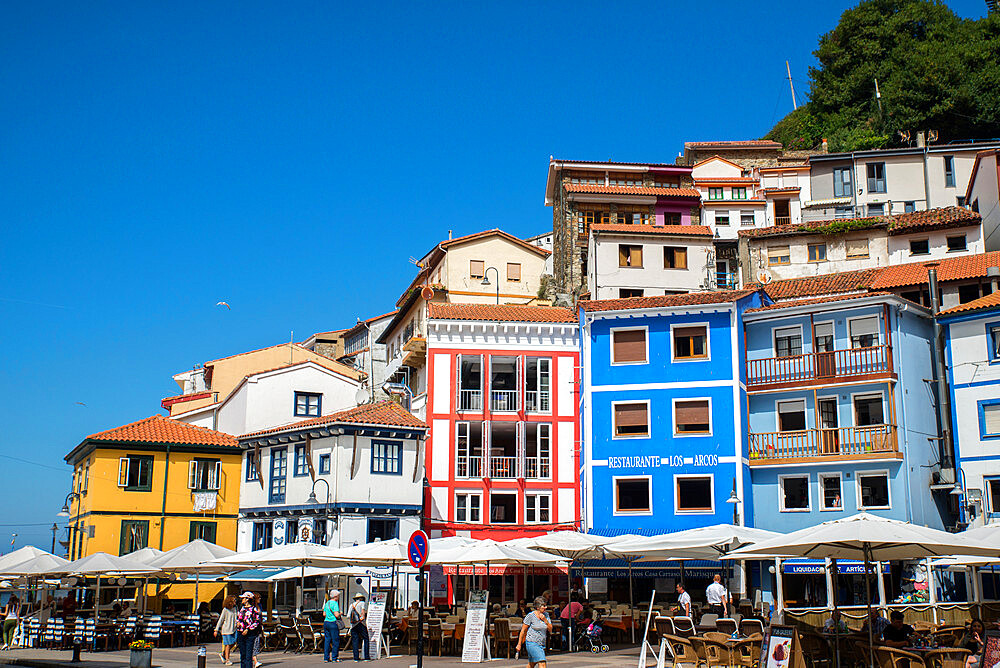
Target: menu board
x,y
781,648
374,621
475,626
991,650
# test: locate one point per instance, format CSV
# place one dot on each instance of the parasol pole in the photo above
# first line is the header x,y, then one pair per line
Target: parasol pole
x,y
831,577
197,580
302,587
868,599
631,600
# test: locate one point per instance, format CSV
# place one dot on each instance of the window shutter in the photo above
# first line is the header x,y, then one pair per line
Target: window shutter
x,y
857,248
991,418
123,472
629,345
623,256
636,256
691,412
192,474
217,476
476,268
631,415
682,332
681,258
513,271
864,326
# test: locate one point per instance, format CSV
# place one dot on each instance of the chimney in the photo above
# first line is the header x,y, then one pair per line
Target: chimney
x,y
825,148
921,141
449,235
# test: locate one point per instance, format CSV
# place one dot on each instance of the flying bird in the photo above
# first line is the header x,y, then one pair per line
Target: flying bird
x,y
224,304
81,403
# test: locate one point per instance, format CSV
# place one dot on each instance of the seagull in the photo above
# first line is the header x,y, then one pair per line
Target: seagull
x,y
224,304
81,403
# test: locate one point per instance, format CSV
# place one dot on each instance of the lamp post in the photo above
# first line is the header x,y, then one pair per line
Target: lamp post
x,y
486,280
73,528
735,501
326,506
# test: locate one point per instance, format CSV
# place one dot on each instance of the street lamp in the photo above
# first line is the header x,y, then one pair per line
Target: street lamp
x,y
735,500
65,509
486,280
312,493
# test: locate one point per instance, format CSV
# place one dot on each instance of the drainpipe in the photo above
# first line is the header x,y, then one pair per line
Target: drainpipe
x,y
945,446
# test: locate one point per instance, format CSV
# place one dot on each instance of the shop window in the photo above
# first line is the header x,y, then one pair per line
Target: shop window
x,y
957,243
920,247
692,417
778,255
631,419
633,495
694,494
382,529
675,257
788,342
467,507
628,346
307,404
134,536
794,492
690,342
830,492
135,473
629,256
791,415
873,490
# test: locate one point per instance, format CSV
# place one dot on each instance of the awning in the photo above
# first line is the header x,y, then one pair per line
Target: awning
x,y
254,574
618,568
826,202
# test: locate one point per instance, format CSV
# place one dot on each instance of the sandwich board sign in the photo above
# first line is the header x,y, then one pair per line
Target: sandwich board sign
x,y
475,628
374,622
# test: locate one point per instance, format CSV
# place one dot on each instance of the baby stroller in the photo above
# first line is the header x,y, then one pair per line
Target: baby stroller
x,y
590,637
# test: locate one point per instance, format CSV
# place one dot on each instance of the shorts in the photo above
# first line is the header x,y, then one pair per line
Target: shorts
x,y
228,639
535,652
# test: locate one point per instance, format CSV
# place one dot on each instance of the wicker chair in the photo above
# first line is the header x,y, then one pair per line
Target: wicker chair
x,y
746,653
684,626
727,625
664,626
948,636
890,657
682,652
749,627
953,657
717,654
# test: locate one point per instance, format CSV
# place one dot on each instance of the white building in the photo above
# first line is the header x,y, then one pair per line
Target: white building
x,y
544,241
784,189
363,352
983,194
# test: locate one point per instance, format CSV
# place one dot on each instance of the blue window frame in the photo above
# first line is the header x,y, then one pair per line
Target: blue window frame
x,y
301,467
251,467
308,404
993,341
387,457
262,533
324,464
279,469
843,185
989,418
991,489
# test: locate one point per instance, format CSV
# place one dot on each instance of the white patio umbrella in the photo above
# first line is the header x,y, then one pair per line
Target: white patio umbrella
x,y
708,543
38,565
145,555
20,555
196,557
102,564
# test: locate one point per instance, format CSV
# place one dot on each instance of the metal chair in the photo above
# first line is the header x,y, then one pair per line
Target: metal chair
x,y
664,626
684,626
709,619
154,630
749,627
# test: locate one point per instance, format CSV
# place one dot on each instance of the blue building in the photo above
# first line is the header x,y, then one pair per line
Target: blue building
x,y
841,414
664,436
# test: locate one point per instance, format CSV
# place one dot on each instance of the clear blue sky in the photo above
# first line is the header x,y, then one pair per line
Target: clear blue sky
x,y
289,157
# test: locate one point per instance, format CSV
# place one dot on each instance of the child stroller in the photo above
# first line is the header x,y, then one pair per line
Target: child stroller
x,y
590,638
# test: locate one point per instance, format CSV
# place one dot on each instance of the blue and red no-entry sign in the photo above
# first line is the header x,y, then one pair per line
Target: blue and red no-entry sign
x,y
416,549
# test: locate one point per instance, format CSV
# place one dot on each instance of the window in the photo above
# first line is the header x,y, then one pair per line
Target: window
x,y
692,417
722,218
250,466
631,420
584,219
794,495
380,529
949,171
842,182
788,342
715,193
467,507
863,331
919,247
791,415
857,248
387,457
746,219
536,509
960,200
690,342
628,293
629,256
842,212
956,243
318,532
817,252
291,531
279,468
993,495
675,257
262,535
739,193
968,293
876,209
307,404
634,218
202,531
909,207
134,536
693,494
993,332
135,473
672,218
477,268
823,337
876,177
777,255
301,465
503,508
628,346
873,490
830,493
514,271
989,419
868,410
633,496
204,475
324,464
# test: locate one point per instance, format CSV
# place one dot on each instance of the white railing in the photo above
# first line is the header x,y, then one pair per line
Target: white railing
x,y
469,467
536,467
503,400
470,400
536,401
503,467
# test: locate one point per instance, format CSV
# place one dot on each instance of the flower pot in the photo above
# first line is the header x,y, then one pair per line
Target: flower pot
x,y
140,658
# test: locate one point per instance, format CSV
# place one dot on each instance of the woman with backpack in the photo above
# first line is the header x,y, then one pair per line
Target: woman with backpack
x,y
358,615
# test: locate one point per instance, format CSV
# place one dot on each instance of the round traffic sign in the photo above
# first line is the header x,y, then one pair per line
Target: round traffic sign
x,y
416,549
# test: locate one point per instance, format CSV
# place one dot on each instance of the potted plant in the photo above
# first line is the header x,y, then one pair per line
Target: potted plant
x,y
141,655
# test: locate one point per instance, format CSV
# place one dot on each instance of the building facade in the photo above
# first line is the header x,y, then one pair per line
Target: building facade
x,y
983,194
363,353
503,408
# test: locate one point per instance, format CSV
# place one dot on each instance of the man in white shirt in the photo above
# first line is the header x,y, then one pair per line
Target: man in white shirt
x,y
683,600
716,596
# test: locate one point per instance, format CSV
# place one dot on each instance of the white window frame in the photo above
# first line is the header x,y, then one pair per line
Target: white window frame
x,y
708,342
536,495
878,328
469,493
614,495
888,488
649,421
611,344
869,393
781,493
501,492
820,494
677,495
673,417
774,339
213,476
812,337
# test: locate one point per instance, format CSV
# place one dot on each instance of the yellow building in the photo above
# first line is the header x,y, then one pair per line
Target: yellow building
x,y
155,483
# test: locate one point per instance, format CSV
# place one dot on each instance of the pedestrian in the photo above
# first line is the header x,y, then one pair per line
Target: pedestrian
x,y
226,627
683,600
357,616
534,630
332,619
247,629
11,618
716,596
260,637
570,616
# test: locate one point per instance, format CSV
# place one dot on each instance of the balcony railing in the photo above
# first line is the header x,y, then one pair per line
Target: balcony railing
x,y
503,467
503,400
836,442
469,467
536,467
470,400
536,401
852,362
727,280
782,220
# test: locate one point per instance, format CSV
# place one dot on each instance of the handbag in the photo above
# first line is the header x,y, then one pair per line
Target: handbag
x,y
341,624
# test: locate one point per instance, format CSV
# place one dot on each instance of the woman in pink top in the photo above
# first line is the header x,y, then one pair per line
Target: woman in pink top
x,y
572,610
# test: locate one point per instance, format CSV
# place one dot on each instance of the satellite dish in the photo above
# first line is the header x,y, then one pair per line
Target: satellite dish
x,y
361,397
427,293
764,277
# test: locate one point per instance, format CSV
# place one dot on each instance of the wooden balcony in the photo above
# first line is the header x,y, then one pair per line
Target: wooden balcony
x,y
785,447
782,220
852,364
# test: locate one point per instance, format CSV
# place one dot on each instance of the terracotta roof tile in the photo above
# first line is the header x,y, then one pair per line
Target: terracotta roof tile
x,y
949,269
818,300
666,301
688,230
740,143
494,232
708,180
989,302
950,216
814,286
160,429
382,413
632,190
505,313
785,189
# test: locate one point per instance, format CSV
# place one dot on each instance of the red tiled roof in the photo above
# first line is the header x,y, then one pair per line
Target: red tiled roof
x,y
740,143
949,216
707,180
160,429
632,190
666,301
949,269
818,300
830,284
786,189
690,230
494,232
505,313
167,402
617,162
382,413
989,302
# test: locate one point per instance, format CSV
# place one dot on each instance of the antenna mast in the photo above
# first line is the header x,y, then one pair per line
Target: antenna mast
x,y
791,85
